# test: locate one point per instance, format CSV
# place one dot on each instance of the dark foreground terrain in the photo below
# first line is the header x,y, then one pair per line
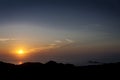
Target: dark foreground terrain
x,y
53,70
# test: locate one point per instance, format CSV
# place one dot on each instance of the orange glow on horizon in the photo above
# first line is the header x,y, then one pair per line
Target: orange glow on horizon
x,y
20,62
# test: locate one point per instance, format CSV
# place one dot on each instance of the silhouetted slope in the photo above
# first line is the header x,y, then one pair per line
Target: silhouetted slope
x,y
52,70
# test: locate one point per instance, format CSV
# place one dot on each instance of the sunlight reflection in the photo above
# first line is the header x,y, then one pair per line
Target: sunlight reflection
x,y
19,63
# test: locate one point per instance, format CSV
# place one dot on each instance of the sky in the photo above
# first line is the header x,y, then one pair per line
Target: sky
x,y
67,31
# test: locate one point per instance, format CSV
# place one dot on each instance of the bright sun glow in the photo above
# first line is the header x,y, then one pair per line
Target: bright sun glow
x,y
20,51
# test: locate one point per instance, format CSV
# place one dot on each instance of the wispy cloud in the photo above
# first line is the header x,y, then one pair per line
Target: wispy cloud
x,y
69,40
38,49
58,41
43,48
52,44
7,39
55,45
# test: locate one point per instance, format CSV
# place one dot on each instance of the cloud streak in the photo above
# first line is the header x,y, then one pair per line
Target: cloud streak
x,y
7,39
58,41
57,44
69,40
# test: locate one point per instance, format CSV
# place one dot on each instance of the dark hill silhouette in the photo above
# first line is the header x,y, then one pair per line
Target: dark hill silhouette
x,y
53,70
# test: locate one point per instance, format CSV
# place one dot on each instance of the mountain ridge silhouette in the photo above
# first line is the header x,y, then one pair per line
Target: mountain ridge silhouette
x,y
37,70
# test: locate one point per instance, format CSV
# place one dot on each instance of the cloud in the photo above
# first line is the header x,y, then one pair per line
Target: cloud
x,y
63,43
57,44
6,39
69,40
52,44
58,41
37,49
43,48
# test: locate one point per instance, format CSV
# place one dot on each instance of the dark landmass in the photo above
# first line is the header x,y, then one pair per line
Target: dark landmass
x,y
53,70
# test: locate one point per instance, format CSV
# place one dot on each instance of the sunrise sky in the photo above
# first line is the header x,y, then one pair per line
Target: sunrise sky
x,y
67,31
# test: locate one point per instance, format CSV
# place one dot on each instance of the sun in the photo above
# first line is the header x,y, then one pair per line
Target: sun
x,y
21,52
